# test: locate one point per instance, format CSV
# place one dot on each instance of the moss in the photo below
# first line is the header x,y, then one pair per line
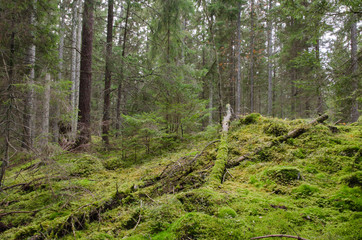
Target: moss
x,y
221,160
86,165
250,119
284,175
276,129
226,212
348,199
201,200
353,179
202,226
112,163
305,190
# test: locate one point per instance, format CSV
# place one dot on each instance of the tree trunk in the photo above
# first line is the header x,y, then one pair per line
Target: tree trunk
x,y
238,66
28,116
46,106
85,85
270,65
211,96
354,61
60,73
108,76
252,56
79,46
8,112
73,67
121,79
319,78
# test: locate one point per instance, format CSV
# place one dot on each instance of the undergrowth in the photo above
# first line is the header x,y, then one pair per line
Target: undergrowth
x,y
308,186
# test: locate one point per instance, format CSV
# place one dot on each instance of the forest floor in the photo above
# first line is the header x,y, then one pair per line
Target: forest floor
x,y
308,186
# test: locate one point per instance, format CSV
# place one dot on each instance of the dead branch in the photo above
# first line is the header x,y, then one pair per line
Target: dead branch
x,y
16,212
292,134
279,235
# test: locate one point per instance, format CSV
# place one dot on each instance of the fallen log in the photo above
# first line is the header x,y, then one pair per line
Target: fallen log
x,y
218,169
292,134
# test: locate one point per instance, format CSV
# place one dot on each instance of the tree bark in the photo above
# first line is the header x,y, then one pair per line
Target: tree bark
x,y
238,66
121,79
46,107
85,86
354,67
55,122
29,117
252,57
270,65
108,76
8,111
79,46
73,67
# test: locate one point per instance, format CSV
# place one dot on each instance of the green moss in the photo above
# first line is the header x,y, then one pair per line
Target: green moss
x,y
226,212
221,160
201,200
250,119
353,179
113,163
348,199
284,175
86,165
276,129
305,190
201,226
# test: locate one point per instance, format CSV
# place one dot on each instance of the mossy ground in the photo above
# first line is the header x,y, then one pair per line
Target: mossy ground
x,y
308,186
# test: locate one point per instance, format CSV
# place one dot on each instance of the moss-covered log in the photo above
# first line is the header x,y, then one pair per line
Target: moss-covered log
x,y
222,154
292,134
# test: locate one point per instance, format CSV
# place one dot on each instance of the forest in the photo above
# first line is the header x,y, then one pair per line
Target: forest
x,y
180,119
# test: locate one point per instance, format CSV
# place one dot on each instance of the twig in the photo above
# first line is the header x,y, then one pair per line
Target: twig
x,y
151,198
139,220
279,235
